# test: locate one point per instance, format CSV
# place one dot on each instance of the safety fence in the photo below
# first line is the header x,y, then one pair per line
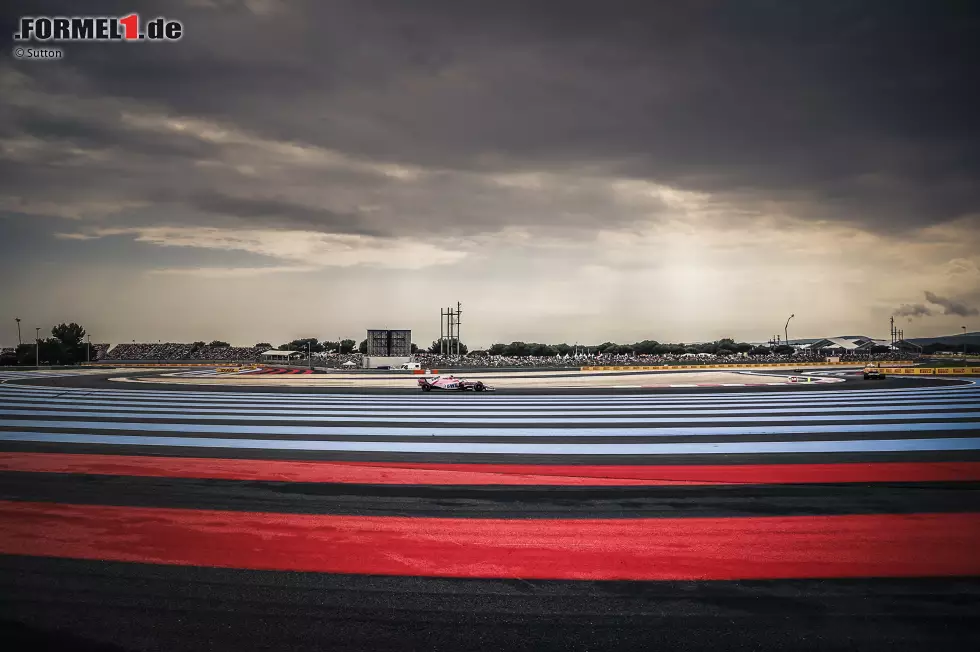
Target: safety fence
x,y
709,366
108,365
932,371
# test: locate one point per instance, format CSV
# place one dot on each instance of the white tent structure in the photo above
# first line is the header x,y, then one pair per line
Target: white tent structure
x,y
847,344
275,355
349,364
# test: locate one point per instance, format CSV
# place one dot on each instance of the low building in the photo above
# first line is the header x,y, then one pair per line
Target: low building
x,y
387,343
378,361
279,356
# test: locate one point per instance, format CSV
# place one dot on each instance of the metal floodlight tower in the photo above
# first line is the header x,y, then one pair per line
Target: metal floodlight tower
x,y
449,321
786,328
19,342
443,334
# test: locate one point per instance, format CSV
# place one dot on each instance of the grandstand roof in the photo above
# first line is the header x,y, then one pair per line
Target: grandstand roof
x,y
837,343
277,352
848,343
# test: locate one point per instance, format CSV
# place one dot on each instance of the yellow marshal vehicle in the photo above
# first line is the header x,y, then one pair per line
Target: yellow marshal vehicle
x,y
873,372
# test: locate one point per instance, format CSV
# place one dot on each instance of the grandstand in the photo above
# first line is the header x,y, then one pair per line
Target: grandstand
x,y
178,351
226,353
98,352
172,351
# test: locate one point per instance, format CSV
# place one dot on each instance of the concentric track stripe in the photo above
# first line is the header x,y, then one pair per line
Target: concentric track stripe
x,y
700,448
406,473
504,420
886,545
456,432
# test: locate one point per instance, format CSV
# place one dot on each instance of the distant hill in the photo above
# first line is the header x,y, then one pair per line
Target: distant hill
x,y
817,339
953,340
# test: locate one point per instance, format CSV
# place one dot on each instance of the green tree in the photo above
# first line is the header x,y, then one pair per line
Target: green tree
x,y
48,352
434,347
219,343
69,335
415,347
362,347
347,346
542,350
263,345
25,354
301,345
646,347
66,347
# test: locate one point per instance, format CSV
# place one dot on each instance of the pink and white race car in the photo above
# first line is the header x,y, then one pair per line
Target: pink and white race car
x,y
453,384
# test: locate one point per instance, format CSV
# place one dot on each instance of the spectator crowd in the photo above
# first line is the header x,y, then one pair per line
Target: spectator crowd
x,y
479,359
98,352
436,361
331,360
177,351
226,353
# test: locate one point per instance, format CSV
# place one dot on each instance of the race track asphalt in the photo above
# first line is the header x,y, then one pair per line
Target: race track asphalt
x,y
808,517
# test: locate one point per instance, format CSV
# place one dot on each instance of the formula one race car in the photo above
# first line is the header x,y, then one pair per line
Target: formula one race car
x,y
873,372
453,384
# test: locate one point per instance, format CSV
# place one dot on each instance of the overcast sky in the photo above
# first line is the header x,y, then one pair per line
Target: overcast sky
x,y
569,170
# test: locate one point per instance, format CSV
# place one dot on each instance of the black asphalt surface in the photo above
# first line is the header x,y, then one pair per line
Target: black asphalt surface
x,y
82,605
55,604
66,604
103,382
493,501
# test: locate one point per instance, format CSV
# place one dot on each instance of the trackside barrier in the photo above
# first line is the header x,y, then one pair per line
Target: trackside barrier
x,y
727,366
146,364
932,371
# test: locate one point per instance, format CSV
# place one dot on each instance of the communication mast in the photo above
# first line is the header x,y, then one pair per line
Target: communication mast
x,y
449,321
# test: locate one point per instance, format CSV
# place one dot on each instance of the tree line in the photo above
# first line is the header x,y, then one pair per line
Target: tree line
x,y
314,345
721,347
66,346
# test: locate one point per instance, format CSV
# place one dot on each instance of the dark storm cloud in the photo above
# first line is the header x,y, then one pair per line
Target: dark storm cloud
x,y
950,306
861,111
281,212
914,310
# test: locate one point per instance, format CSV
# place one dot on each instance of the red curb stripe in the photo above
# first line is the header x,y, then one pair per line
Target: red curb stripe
x,y
917,545
395,473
